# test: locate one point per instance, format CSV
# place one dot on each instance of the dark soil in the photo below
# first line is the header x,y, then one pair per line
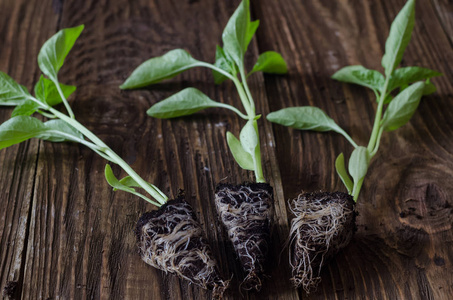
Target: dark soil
x,y
171,239
324,223
246,211
10,289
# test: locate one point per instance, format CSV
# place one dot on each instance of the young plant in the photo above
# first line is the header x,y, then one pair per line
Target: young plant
x,y
244,209
324,222
169,238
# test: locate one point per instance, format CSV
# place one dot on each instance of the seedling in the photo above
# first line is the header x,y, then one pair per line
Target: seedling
x,y
169,238
324,222
245,209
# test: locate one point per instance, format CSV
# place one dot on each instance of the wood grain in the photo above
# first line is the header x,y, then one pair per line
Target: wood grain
x,y
64,234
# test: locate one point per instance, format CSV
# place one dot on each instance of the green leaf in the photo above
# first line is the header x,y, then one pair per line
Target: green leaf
x,y
19,129
54,51
270,62
238,33
358,165
222,62
403,106
249,138
408,75
22,128
399,37
46,91
186,102
27,108
114,182
12,93
341,171
159,68
361,76
244,159
304,118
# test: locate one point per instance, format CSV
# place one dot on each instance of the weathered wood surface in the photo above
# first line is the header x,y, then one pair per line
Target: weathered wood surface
x,y
65,235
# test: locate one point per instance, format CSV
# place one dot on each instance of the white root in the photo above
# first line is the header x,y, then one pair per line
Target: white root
x,y
173,242
323,225
246,212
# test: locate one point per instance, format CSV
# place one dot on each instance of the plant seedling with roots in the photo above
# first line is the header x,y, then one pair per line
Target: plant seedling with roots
x,y
169,238
324,222
244,209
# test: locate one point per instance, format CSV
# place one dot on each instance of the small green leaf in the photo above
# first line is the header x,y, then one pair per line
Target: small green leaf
x,y
46,91
270,62
361,76
403,106
22,128
408,75
54,51
222,62
27,108
186,102
244,159
19,129
341,171
12,93
358,165
249,138
304,118
114,182
159,68
238,33
429,88
399,37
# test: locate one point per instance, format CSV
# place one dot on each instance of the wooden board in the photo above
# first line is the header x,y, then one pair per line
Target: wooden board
x,y
64,234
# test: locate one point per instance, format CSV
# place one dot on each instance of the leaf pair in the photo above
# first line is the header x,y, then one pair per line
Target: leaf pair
x,y
245,150
358,167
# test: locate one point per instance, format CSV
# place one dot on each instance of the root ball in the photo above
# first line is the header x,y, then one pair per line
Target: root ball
x,y
246,212
171,240
324,223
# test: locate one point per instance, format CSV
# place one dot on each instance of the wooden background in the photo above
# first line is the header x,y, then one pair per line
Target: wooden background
x,y
65,235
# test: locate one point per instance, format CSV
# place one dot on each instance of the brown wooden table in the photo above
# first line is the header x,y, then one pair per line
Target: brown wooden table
x,y
65,235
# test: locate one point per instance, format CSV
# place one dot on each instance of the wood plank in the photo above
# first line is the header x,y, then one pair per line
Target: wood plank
x,y
22,31
401,249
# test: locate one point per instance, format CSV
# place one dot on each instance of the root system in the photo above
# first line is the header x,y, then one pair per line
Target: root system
x,y
246,212
171,240
324,224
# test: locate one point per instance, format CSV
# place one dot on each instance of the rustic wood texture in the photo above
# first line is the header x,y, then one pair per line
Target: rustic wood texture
x,y
64,234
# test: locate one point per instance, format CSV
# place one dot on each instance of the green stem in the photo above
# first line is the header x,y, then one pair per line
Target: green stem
x,y
343,133
377,120
245,117
113,157
247,90
373,153
65,102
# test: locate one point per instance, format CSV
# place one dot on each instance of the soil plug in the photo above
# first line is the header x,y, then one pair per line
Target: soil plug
x,y
169,238
245,209
324,222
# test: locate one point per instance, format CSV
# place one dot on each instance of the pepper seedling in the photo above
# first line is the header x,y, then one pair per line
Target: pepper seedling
x,y
323,222
244,209
169,238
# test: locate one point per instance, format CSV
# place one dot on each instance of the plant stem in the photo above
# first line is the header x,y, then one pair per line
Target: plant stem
x,y
247,96
247,90
65,102
377,120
